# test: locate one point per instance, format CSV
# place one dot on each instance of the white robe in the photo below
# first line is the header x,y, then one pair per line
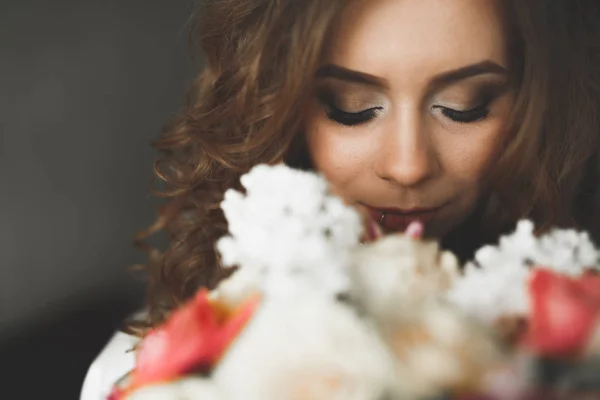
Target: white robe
x,y
113,362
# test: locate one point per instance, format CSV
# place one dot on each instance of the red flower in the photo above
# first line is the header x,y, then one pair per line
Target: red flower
x,y
193,338
564,312
116,394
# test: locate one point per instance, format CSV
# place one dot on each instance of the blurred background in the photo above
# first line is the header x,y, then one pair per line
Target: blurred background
x,y
85,87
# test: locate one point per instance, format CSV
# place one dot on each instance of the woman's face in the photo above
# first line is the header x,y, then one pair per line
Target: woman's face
x,y
411,108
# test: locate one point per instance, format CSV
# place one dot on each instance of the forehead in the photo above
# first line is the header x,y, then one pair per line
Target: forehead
x,y
399,38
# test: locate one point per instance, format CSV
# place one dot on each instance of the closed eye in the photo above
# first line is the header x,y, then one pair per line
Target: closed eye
x,y
351,118
465,116
328,100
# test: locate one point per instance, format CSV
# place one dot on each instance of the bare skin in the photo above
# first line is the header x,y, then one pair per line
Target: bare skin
x,y
411,108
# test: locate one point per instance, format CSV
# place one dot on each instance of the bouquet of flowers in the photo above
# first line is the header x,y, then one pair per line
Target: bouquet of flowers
x,y
315,312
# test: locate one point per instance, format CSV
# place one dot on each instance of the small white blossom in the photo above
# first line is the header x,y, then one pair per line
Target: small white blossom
x,y
566,251
495,284
289,231
489,293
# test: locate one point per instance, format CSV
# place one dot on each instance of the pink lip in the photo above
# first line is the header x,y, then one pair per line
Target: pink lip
x,y
399,219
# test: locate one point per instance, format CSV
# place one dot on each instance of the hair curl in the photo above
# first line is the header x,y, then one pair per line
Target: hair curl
x,y
246,108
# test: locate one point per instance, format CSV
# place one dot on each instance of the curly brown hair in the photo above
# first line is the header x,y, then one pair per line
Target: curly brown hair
x,y
247,105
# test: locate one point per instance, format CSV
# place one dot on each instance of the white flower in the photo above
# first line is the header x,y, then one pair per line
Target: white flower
x,y
289,232
309,349
567,251
563,250
495,284
397,272
438,348
238,287
488,293
190,388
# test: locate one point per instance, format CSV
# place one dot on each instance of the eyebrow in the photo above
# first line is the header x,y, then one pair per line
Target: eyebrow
x,y
349,75
469,71
443,79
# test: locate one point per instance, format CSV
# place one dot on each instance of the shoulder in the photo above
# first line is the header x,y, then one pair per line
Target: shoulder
x,y
114,361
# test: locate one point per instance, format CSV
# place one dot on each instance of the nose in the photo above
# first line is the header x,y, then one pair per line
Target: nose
x,y
407,155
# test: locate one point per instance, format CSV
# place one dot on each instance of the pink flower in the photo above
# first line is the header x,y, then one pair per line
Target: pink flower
x,y
564,312
193,338
116,394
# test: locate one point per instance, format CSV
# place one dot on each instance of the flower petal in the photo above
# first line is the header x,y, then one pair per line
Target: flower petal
x,y
562,316
193,338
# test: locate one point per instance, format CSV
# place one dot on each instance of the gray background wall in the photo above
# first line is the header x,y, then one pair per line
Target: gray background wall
x,y
84,87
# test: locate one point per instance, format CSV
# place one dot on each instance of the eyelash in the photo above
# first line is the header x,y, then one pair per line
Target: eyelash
x,y
351,119
467,116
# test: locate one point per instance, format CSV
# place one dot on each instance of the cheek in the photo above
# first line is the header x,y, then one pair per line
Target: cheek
x,y
471,150
341,155
469,155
